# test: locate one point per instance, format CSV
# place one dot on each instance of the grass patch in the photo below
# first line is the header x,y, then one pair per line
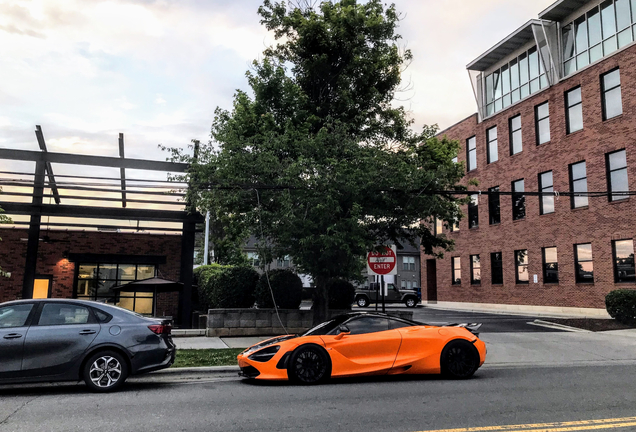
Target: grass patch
x,y
206,357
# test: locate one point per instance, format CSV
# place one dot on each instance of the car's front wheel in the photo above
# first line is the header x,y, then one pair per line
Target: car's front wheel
x,y
362,301
309,364
459,360
410,302
105,371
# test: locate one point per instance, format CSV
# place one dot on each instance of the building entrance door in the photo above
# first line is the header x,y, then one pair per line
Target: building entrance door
x,y
431,280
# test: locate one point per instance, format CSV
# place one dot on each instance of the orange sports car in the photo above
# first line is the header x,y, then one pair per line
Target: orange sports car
x,y
365,343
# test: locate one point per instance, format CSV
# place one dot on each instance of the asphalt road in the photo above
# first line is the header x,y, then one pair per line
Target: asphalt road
x,y
492,323
494,397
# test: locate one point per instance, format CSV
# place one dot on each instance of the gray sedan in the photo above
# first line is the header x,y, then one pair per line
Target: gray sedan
x,y
70,340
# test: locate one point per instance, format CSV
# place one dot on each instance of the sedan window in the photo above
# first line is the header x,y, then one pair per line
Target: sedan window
x,y
396,324
61,314
15,315
365,325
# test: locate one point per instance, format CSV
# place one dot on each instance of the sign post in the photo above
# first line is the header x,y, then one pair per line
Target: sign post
x,y
383,262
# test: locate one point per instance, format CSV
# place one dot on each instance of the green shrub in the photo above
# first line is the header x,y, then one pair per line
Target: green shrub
x,y
201,281
341,294
621,305
287,288
227,286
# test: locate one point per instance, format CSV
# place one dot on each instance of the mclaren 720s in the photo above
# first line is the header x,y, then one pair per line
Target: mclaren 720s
x,y
364,344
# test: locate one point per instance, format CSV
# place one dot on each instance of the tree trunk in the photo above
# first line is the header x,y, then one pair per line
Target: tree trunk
x,y
321,300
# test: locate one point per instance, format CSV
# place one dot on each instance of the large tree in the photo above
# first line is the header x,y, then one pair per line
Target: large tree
x,y
316,160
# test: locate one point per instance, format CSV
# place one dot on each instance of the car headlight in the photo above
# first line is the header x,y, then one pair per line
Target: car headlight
x,y
265,354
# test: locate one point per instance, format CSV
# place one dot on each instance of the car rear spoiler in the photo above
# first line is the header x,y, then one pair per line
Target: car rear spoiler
x,y
471,327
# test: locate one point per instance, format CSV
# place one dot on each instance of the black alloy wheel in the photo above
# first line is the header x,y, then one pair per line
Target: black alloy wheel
x,y
460,359
309,364
362,301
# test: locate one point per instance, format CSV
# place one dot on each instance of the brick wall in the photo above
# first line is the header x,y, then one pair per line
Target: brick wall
x,y
51,261
599,224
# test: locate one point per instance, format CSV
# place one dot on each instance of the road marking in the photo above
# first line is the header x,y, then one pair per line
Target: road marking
x,y
582,425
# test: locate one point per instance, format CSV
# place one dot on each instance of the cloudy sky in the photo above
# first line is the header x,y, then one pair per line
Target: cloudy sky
x,y
156,69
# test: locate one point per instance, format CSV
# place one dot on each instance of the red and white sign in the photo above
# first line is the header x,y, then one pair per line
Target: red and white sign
x,y
383,262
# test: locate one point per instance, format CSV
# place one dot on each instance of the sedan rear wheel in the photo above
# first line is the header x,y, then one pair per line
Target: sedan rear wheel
x,y
460,359
105,371
309,365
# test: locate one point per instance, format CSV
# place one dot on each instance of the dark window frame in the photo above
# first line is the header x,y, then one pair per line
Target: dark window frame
x,y
456,269
511,134
577,276
604,92
545,266
516,213
608,173
494,206
617,278
468,152
517,265
537,122
489,143
543,189
573,180
568,108
474,281
496,278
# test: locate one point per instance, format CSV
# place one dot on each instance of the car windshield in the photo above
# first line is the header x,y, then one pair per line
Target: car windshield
x,y
327,326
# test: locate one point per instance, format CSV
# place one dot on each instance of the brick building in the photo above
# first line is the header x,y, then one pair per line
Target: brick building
x,y
556,114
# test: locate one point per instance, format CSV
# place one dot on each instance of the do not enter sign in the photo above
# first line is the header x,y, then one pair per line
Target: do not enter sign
x,y
383,262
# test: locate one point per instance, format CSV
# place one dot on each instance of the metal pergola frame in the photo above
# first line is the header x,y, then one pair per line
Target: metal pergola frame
x,y
36,208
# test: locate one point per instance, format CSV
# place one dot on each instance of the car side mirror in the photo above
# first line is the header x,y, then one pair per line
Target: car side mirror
x,y
342,331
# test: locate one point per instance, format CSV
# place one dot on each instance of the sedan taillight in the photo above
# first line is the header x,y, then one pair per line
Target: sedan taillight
x,y
160,329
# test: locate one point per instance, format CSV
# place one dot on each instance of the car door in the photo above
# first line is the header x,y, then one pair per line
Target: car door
x,y
420,349
14,322
59,338
369,348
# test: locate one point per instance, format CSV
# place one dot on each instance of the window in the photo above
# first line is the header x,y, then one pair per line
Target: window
x,y
496,268
514,81
63,314
542,122
15,315
397,323
491,136
253,259
494,208
454,159
583,264
578,184
475,270
611,94
473,212
573,110
617,183
515,135
439,226
546,202
550,265
623,251
455,227
408,263
518,200
407,284
96,282
471,153
521,266
457,270
598,33
366,325
283,262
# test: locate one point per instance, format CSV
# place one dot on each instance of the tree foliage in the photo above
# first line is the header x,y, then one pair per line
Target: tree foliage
x,y
286,287
316,160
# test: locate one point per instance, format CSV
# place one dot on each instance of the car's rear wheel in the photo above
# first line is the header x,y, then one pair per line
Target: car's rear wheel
x,y
460,359
309,364
105,371
410,302
362,301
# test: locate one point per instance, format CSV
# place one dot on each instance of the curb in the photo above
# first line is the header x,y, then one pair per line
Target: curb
x,y
552,325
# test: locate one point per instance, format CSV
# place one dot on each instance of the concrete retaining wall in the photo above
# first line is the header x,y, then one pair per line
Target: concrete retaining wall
x,y
264,322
